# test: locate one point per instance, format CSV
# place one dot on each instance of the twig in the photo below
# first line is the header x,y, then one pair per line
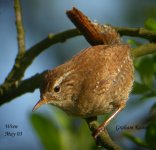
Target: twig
x,y
103,140
19,27
143,50
14,76
28,85
50,40
137,32
23,61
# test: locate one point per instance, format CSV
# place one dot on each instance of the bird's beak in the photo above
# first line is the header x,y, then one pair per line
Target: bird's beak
x,y
39,103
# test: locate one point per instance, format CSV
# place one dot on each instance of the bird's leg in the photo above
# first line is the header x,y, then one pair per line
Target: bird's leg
x,y
105,123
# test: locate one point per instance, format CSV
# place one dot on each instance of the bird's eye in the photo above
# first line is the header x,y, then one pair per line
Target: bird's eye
x,y
57,89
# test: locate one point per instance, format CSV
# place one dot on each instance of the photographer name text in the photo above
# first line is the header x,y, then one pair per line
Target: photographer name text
x,y
129,127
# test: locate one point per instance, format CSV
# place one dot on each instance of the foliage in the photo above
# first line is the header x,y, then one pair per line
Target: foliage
x,y
62,132
145,68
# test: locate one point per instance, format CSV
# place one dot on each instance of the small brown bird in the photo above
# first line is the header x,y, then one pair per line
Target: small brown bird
x,y
95,82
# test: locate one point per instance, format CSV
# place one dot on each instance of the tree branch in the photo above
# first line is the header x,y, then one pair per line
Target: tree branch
x,y
15,75
103,140
137,32
19,27
144,49
29,85
23,61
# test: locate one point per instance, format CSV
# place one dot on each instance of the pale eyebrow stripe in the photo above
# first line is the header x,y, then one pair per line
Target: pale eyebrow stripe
x,y
58,81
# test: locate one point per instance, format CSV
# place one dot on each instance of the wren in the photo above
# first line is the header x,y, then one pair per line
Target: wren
x,y
96,81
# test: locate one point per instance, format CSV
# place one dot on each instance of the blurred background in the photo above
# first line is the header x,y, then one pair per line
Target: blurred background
x,y
49,127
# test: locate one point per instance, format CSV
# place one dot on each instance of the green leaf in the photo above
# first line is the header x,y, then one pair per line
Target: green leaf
x,y
133,42
151,135
47,131
139,88
150,24
148,95
154,59
136,140
146,70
